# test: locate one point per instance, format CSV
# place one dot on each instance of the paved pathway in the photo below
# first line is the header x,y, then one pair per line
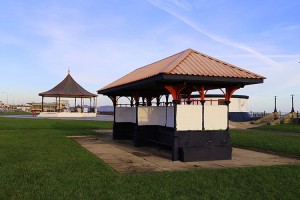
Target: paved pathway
x,y
123,157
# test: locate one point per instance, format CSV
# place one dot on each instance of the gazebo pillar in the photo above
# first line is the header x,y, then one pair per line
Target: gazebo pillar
x,y
42,103
59,104
90,104
55,104
95,105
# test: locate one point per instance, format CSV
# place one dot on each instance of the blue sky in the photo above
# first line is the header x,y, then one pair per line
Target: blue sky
x,y
102,40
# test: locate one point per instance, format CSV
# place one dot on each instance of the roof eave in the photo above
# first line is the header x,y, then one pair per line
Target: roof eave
x,y
67,95
183,78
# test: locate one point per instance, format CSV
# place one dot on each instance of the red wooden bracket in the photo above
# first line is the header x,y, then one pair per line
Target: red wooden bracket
x,y
230,91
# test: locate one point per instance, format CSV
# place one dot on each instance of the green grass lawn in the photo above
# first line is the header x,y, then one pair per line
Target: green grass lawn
x,y
293,127
15,113
39,162
268,141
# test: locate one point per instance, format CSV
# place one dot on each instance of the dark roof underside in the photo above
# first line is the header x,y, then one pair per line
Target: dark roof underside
x,y
68,88
155,85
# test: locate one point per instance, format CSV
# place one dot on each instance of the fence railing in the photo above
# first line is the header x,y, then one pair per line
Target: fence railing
x,y
262,114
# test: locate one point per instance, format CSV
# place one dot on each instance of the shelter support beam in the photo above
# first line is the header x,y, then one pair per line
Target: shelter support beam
x,y
227,104
114,101
136,135
175,137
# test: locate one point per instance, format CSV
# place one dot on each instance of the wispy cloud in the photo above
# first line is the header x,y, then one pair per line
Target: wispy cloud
x,y
269,55
171,7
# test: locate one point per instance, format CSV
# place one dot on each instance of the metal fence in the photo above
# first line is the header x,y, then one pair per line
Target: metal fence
x,y
262,114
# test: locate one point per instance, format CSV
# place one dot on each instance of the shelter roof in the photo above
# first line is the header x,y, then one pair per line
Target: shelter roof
x,y
68,88
187,65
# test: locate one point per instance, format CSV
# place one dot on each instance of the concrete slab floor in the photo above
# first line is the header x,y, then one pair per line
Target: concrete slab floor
x,y
123,157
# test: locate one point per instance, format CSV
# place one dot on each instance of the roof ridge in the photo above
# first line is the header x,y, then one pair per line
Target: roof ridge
x,y
176,61
67,84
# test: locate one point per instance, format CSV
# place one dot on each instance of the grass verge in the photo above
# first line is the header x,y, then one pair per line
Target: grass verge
x,y
293,127
15,113
39,162
268,141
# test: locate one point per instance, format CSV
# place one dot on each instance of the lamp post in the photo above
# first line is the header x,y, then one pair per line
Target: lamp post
x,y
6,97
292,103
275,109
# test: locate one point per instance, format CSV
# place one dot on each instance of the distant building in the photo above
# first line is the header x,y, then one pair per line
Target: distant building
x,y
238,107
50,107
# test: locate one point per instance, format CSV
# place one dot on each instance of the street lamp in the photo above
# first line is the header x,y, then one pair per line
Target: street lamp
x,y
6,97
275,109
292,103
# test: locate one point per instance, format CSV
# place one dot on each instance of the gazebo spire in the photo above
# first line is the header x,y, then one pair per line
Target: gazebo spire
x,y
69,70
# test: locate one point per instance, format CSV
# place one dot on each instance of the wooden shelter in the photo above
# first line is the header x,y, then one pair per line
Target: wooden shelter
x,y
194,132
69,88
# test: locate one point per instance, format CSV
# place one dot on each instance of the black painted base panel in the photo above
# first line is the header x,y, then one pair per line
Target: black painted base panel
x,y
205,154
123,130
186,146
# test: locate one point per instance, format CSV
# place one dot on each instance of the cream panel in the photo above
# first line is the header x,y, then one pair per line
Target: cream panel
x,y
215,117
125,114
189,117
170,117
238,105
152,115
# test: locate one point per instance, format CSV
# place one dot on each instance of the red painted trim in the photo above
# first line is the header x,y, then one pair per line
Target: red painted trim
x,y
230,91
202,94
174,90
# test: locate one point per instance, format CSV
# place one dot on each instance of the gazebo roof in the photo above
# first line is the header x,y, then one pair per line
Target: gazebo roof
x,y
68,88
188,67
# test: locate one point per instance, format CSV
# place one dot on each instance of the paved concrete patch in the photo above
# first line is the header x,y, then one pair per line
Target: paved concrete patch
x,y
123,157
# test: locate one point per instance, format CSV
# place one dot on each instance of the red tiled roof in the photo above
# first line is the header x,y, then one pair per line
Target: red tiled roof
x,y
68,88
188,62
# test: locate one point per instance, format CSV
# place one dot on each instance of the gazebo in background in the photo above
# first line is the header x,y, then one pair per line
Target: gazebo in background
x,y
69,88
193,132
